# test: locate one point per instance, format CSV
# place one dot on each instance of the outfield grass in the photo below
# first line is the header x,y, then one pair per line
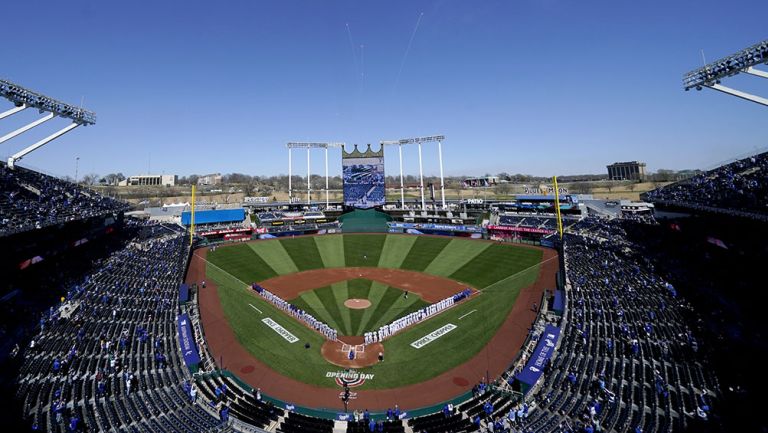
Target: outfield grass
x,y
331,249
363,250
303,252
423,251
394,251
250,267
499,271
273,252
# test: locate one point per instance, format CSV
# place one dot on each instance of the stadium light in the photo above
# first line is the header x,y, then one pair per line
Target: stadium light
x,y
309,146
743,61
312,145
418,140
24,98
21,97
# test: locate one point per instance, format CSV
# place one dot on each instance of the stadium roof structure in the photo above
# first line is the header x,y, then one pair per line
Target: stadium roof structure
x,y
21,96
24,98
742,61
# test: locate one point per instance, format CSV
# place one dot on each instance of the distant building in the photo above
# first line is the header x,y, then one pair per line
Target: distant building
x,y
150,179
209,179
631,170
686,174
636,208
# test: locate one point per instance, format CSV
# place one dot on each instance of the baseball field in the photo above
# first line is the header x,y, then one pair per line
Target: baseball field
x,y
319,273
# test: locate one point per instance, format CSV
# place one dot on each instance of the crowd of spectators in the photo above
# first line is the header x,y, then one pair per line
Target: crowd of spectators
x,y
106,358
740,187
630,358
31,200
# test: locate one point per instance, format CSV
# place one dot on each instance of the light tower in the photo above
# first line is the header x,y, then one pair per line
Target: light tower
x,y
418,140
309,146
24,98
744,61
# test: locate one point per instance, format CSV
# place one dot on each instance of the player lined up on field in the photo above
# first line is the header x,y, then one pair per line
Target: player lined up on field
x,y
416,317
296,312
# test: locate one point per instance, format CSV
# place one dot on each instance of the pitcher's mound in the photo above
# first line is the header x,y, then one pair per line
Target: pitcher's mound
x,y
357,304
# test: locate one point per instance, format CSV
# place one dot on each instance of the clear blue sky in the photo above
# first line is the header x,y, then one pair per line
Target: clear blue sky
x,y
532,86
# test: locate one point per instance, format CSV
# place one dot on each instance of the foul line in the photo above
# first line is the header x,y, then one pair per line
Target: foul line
x,y
517,274
252,306
222,270
461,317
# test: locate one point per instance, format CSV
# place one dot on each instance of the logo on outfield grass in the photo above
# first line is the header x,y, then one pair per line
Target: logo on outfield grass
x,y
280,330
349,378
432,336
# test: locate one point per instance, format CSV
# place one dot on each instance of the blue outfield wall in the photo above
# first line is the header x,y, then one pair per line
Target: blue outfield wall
x,y
214,216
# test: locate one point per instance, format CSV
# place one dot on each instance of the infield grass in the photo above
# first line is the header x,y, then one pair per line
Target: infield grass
x,y
387,304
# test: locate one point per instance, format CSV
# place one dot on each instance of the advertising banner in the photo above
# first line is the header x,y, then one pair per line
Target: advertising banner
x,y
534,368
520,229
187,341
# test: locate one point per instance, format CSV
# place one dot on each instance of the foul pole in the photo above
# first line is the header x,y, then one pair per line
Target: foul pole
x,y
557,208
192,217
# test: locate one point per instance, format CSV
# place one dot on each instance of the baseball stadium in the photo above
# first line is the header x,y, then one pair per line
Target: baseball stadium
x,y
372,294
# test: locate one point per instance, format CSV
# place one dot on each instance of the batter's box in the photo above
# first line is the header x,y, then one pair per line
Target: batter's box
x,y
360,348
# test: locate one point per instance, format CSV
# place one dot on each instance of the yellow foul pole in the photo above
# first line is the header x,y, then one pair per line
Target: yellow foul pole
x,y
557,207
192,217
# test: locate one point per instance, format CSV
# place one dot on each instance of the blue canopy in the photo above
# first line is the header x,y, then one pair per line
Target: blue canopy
x,y
187,341
535,365
214,216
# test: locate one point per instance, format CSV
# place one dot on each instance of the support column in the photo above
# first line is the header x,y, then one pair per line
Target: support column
x,y
442,183
309,180
289,175
26,128
402,188
421,181
12,111
327,200
21,154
